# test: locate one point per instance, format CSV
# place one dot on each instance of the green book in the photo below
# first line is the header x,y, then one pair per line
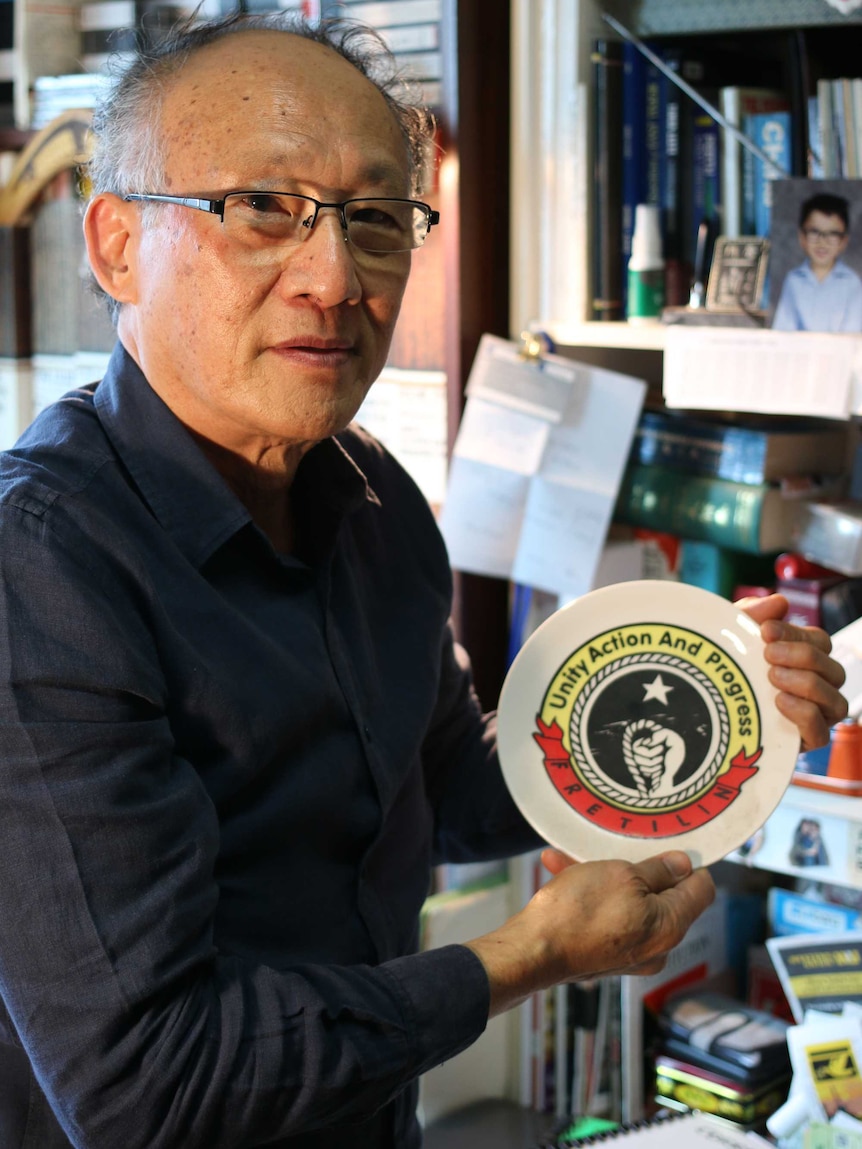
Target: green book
x,y
756,518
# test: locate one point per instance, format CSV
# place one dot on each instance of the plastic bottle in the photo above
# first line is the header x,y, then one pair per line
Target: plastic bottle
x,y
646,267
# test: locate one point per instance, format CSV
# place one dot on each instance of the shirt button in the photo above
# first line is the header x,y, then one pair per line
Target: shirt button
x,y
367,734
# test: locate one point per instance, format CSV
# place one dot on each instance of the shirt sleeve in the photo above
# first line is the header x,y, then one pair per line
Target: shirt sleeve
x,y
140,1032
475,817
853,311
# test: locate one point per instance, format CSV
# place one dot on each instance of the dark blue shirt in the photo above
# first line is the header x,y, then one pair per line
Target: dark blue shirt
x,y
225,774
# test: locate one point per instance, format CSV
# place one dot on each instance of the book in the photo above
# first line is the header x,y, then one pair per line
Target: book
x,y
699,958
772,132
676,286
752,451
15,315
720,570
653,132
790,913
819,971
830,533
689,1130
705,177
633,176
735,103
390,13
828,146
607,280
757,518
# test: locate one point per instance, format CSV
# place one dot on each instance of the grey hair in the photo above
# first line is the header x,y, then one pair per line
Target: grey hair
x,y
128,149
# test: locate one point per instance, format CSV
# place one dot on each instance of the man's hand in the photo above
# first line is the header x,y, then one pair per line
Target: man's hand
x,y
591,919
807,679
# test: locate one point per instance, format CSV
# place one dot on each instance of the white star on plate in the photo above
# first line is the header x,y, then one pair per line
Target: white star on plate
x,y
656,689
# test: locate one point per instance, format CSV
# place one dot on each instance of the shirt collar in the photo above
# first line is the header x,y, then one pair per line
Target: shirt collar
x,y
839,270
183,489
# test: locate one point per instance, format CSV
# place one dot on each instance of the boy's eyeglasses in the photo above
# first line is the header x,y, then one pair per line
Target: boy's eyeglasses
x,y
823,236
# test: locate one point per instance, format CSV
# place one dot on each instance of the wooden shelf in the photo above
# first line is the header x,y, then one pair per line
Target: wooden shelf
x,y
626,336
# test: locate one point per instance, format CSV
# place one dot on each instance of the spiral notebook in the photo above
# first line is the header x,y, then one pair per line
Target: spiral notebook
x,y
676,1131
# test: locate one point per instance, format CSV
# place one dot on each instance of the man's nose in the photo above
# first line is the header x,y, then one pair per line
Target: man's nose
x,y
323,265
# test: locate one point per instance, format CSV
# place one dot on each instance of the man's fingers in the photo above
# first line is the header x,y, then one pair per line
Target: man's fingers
x,y
555,861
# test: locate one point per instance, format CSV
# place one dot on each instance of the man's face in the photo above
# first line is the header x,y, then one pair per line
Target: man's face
x,y
252,353
823,238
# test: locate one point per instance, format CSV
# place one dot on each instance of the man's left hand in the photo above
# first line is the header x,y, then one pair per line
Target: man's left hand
x,y
800,668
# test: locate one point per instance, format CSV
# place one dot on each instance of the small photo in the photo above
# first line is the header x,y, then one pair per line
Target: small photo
x,y
815,273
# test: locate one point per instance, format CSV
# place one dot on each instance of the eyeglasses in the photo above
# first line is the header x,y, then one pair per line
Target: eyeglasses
x,y
824,236
261,219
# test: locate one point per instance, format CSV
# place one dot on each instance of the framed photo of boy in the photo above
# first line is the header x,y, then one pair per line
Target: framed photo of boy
x,y
815,274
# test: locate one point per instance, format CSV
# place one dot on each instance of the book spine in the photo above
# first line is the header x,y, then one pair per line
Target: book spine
x,y
653,132
706,192
827,130
634,154
693,506
839,129
607,179
772,134
676,278
852,164
732,453
815,142
856,92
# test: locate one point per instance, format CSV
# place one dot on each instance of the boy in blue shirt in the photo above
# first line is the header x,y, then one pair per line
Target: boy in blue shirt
x,y
823,293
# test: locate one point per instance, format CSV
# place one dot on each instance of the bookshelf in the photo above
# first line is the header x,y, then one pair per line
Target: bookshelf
x,y
552,108
550,270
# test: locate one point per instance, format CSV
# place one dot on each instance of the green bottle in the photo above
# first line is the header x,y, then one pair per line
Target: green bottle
x,y
646,268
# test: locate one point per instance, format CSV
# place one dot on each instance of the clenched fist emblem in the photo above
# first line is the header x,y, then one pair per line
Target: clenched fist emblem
x,y
652,753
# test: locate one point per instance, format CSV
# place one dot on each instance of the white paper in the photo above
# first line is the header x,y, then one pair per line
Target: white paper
x,y
732,369
497,435
483,524
535,472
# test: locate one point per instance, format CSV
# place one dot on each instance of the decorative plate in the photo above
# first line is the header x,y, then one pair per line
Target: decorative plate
x,y
640,719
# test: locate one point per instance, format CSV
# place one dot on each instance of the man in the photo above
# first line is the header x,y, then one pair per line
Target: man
x,y
235,729
822,293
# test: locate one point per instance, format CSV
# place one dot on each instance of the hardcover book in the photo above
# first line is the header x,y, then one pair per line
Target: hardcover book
x,y
736,103
831,534
756,518
607,180
771,131
754,451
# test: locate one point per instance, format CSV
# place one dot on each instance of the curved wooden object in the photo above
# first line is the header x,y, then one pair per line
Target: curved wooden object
x,y
62,144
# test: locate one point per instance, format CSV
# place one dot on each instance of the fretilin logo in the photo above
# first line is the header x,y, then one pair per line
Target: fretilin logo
x,y
649,730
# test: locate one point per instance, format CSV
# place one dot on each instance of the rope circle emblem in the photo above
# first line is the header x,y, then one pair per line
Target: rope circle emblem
x,y
648,748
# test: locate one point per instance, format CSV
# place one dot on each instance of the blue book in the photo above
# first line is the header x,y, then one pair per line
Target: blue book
x,y
669,182
771,131
634,145
789,913
706,176
756,451
653,134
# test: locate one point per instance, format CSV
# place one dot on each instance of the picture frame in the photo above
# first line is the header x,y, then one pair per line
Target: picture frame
x,y
835,307
737,274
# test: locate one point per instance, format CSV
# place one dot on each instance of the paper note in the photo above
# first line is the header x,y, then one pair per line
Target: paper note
x,y
536,468
736,369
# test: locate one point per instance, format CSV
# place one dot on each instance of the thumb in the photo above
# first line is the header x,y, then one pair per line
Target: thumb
x,y
555,861
764,609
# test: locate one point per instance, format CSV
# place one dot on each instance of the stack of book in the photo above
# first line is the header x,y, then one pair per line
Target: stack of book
x,y
735,492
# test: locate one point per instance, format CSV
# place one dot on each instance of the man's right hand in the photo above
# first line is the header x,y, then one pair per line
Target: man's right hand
x,y
592,919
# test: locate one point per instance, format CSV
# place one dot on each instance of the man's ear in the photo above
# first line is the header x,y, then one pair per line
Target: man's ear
x,y
111,231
